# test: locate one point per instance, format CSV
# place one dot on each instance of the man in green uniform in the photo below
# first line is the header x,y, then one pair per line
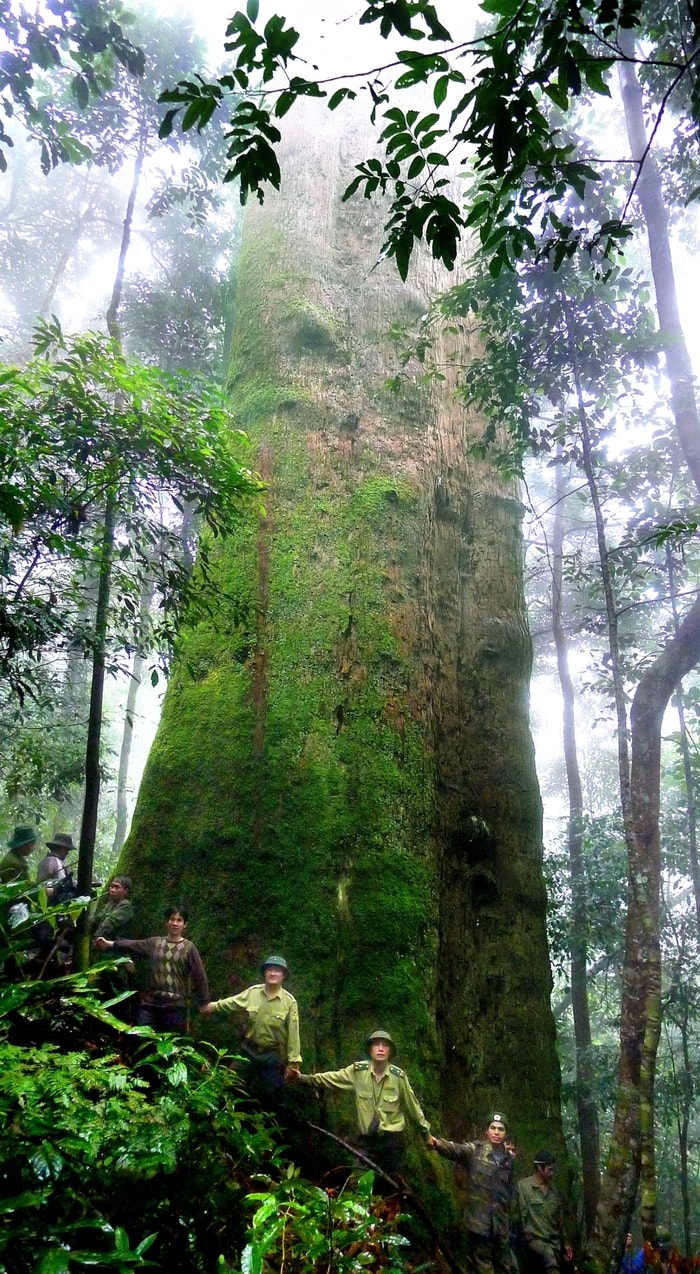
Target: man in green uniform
x,y
541,1216
383,1098
487,1214
14,865
14,869
114,918
114,914
271,1031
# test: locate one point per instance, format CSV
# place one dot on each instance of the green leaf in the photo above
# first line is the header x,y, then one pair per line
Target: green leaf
x,y
416,167
339,96
252,7
440,89
55,1261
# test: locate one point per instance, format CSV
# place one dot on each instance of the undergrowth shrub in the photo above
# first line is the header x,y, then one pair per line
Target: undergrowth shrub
x,y
122,1149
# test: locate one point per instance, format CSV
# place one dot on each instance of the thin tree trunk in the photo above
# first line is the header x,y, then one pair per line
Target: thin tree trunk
x,y
631,1150
128,728
686,1104
586,1108
690,786
650,194
68,249
113,310
88,830
631,1153
616,671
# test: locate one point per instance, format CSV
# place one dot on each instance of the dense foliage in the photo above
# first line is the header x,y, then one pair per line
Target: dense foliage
x,y
121,1148
495,118
79,40
81,426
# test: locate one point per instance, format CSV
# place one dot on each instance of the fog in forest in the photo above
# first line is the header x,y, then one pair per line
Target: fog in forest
x,y
576,389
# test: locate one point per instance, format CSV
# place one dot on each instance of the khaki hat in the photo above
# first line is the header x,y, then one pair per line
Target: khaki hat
x,y
61,840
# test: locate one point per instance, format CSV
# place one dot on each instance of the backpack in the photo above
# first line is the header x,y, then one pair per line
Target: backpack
x,y
64,890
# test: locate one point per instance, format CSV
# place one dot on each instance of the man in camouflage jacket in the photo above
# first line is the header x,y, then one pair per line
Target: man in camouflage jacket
x,y
487,1215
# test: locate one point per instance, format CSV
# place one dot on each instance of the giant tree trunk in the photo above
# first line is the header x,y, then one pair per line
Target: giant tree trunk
x,y
344,770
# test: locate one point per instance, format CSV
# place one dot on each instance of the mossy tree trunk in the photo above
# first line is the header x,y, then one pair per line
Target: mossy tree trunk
x,y
344,770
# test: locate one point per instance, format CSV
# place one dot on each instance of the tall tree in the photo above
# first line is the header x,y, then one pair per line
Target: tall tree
x,y
359,790
589,1133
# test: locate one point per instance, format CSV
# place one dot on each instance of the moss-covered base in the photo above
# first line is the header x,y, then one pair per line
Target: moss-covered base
x,y
343,771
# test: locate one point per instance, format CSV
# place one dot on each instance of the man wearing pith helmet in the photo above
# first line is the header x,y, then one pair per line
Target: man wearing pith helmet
x,y
271,1029
383,1098
487,1213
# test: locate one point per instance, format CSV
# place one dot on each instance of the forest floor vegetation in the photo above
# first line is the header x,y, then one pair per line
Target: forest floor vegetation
x,y
123,1149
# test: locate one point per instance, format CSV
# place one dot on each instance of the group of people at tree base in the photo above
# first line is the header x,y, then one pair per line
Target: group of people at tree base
x,y
384,1098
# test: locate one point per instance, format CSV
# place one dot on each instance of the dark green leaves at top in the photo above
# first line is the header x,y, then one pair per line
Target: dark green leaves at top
x,y
401,16
82,46
197,100
260,52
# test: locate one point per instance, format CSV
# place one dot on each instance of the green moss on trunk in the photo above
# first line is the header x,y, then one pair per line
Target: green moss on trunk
x,y
344,770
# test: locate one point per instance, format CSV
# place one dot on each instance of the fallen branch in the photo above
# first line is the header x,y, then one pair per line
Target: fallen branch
x,y
402,1189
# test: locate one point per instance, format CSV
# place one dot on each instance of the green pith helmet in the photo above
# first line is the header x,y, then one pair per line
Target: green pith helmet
x,y
498,1118
274,962
375,1038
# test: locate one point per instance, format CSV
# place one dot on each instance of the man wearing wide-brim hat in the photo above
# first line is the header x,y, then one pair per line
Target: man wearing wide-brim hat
x,y
14,865
383,1099
52,868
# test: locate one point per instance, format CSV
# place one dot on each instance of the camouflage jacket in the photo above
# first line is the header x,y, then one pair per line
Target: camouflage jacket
x,y
490,1186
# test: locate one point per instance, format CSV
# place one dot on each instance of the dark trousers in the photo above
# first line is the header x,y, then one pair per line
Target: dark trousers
x,y
162,1017
266,1075
388,1151
488,1255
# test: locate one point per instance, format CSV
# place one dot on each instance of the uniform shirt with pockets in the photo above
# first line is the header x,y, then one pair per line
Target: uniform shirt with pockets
x,y
382,1104
490,1188
540,1212
272,1020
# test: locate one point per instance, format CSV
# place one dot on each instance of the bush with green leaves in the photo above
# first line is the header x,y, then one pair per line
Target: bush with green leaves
x,y
114,1144
121,1148
302,1228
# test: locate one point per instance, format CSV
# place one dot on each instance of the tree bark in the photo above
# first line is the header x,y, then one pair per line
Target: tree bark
x,y
632,1141
690,784
586,1106
135,676
112,315
88,829
631,1153
371,800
